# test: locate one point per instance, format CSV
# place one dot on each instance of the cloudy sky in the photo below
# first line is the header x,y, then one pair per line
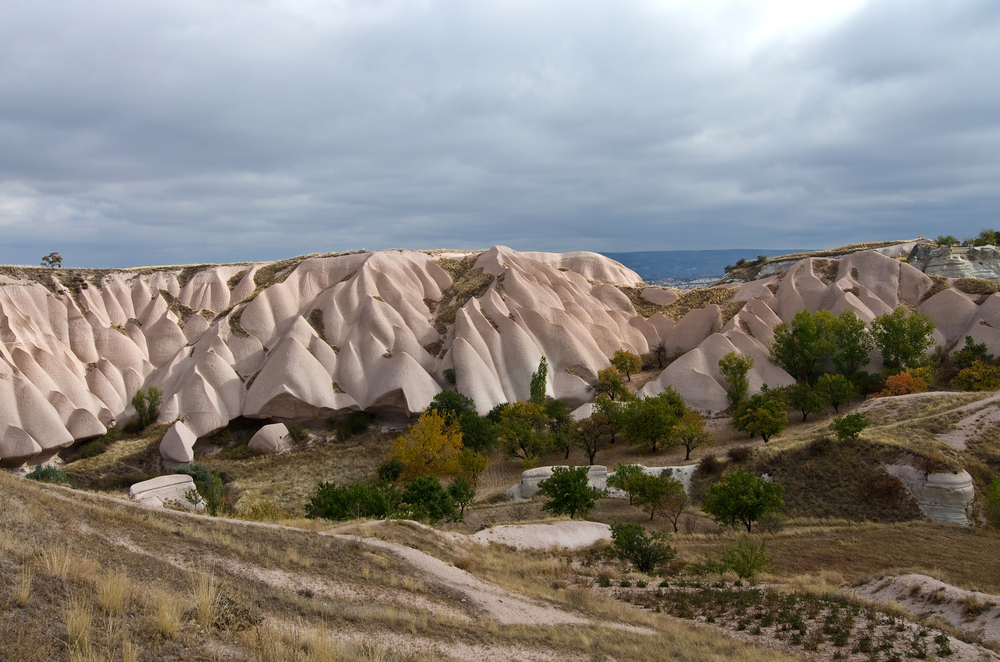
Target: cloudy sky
x,y
183,131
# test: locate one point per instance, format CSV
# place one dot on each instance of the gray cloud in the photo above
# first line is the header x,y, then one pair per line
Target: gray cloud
x,y
185,132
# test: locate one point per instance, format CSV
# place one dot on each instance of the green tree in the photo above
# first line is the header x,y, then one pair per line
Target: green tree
x,y
742,498
978,377
650,422
836,389
558,425
52,260
802,347
850,426
522,431
426,500
735,367
539,380
591,434
947,240
452,404
568,492
902,338
375,501
654,493
645,550
147,405
626,362
972,352
852,343
691,432
746,559
626,477
478,432
473,463
462,493
660,352
614,411
610,385
761,415
806,399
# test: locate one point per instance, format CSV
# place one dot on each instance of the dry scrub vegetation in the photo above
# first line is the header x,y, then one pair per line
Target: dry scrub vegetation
x,y
85,578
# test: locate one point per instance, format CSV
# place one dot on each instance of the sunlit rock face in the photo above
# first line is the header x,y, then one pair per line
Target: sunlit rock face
x,y
320,336
957,261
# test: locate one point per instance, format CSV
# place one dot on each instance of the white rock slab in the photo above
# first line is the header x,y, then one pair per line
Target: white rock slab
x,y
170,490
561,535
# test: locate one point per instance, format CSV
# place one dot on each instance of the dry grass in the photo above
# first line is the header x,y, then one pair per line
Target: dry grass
x,y
21,593
205,596
977,286
112,591
79,623
57,562
167,614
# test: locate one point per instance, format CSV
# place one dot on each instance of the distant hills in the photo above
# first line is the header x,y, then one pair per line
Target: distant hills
x,y
655,266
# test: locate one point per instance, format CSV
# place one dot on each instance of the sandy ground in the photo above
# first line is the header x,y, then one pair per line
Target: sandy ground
x,y
925,596
561,535
982,414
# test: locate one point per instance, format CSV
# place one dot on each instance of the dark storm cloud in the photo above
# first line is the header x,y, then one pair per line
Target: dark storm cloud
x,y
185,131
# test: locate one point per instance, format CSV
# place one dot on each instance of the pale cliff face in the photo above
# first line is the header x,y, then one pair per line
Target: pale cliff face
x,y
308,337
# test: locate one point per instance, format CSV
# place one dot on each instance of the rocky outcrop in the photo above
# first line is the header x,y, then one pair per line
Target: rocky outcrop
x,y
942,497
177,444
957,261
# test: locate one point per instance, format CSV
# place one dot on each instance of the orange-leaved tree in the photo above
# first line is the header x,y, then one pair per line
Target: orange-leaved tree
x,y
432,445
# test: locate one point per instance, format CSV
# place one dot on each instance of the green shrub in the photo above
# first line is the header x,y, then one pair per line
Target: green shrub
x,y
297,431
746,559
95,447
374,501
427,500
449,376
49,475
241,452
850,426
208,483
147,405
353,425
645,550
390,470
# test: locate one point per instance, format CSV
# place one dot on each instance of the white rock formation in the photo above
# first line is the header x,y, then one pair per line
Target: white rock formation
x,y
270,439
170,490
310,337
178,444
942,497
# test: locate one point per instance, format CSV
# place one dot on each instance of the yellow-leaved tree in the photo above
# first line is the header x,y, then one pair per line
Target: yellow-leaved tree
x,y
432,445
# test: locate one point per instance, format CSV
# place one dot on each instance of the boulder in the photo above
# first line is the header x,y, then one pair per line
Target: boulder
x,y
170,490
177,444
270,439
